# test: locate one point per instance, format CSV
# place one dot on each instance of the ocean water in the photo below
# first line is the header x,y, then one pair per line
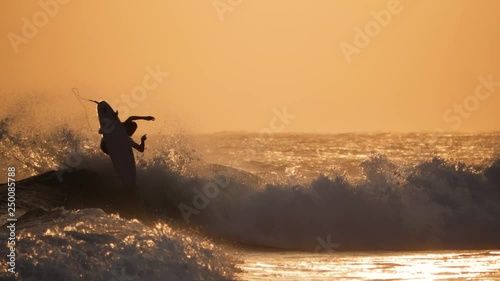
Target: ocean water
x,y
422,265
241,206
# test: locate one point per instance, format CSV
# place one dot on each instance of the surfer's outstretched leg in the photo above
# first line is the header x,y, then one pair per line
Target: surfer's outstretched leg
x,y
139,147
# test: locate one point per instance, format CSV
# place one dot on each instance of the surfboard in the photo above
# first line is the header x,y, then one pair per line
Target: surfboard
x,y
117,143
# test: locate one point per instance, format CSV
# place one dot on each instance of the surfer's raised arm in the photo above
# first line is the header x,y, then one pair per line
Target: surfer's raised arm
x,y
147,118
130,126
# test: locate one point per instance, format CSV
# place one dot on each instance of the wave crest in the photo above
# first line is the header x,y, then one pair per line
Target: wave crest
x,y
436,204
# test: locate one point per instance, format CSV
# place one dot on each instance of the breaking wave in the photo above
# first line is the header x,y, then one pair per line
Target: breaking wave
x,y
435,204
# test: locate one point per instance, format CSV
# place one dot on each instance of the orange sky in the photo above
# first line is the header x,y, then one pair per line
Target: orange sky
x,y
228,72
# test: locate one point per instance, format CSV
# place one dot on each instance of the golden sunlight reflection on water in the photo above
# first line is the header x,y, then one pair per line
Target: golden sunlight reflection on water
x,y
438,265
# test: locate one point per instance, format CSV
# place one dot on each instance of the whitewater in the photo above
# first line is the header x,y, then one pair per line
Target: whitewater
x,y
245,206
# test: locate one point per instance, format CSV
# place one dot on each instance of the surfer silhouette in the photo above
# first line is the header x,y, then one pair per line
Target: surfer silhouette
x,y
117,139
130,127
